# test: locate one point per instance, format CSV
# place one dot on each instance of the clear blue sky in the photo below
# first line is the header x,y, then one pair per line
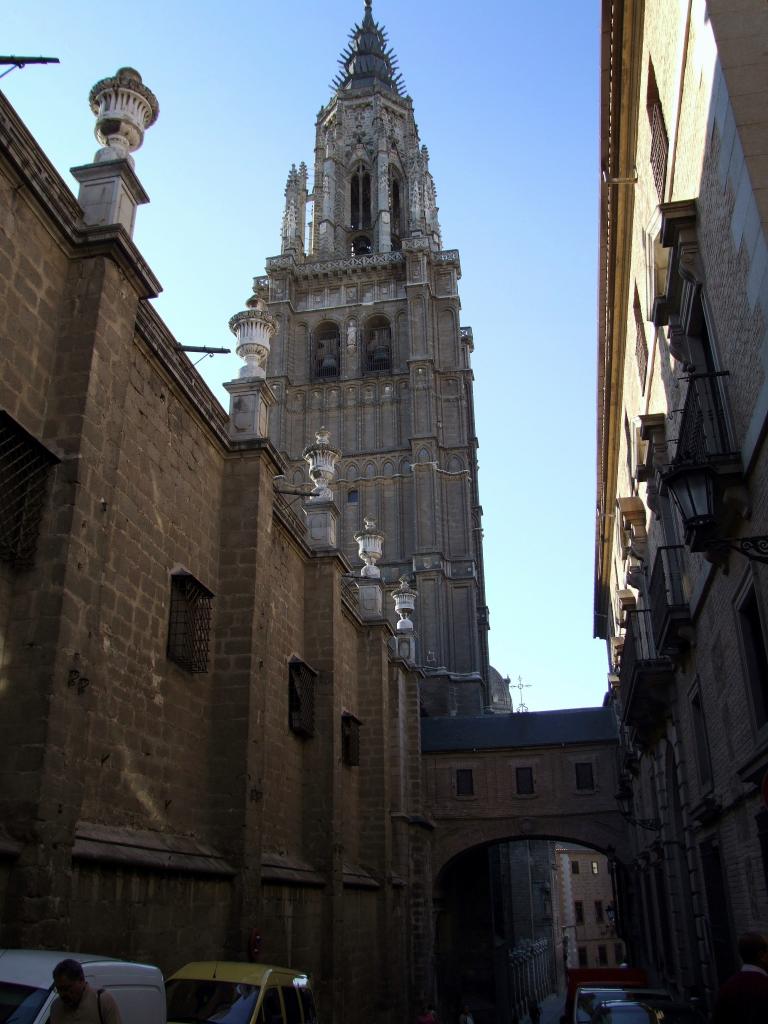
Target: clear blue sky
x,y
506,99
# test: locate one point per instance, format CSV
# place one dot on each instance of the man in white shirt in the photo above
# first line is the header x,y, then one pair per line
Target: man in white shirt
x,y
78,1003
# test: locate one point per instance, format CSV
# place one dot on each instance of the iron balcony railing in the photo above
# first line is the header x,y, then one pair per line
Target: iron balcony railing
x,y
669,597
639,647
703,433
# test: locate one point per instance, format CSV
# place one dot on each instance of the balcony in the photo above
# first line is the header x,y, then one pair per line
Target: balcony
x,y
646,678
669,596
703,434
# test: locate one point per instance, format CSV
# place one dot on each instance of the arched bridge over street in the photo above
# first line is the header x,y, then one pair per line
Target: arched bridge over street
x,y
544,774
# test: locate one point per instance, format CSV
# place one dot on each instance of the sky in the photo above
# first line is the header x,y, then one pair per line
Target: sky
x,y
506,99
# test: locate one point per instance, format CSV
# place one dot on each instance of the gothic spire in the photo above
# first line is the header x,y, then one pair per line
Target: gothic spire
x,y
368,58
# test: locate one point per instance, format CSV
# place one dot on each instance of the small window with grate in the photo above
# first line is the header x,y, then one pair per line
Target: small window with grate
x,y
301,698
465,782
350,739
659,137
24,469
189,623
585,778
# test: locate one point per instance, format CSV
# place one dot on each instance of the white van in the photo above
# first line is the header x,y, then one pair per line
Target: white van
x,y
26,985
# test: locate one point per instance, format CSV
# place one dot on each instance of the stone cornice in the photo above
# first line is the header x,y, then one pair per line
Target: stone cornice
x,y
620,73
376,261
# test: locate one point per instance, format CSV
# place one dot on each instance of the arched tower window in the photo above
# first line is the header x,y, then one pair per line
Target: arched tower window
x,y
360,198
325,350
361,245
377,345
395,211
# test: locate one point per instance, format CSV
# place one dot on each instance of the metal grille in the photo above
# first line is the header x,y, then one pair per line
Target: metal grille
x,y
24,469
301,698
189,626
659,149
378,349
638,643
668,584
703,433
641,348
350,740
326,352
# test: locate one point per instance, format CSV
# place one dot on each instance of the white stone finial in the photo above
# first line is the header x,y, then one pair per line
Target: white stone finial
x,y
124,109
370,542
253,328
321,458
405,601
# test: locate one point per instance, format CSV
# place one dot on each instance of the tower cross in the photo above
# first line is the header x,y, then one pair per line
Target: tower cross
x,y
520,686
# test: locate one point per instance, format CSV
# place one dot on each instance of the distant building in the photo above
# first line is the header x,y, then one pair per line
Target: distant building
x,y
682,498
586,906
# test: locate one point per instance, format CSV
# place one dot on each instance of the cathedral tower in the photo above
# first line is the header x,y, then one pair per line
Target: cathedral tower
x,y
368,344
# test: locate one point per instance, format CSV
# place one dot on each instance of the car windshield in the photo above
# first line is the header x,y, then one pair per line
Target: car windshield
x,y
222,1002
20,1004
590,998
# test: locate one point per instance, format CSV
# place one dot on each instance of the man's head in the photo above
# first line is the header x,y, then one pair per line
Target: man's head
x,y
753,949
69,981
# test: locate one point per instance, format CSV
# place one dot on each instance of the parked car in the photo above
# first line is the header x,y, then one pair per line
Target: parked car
x,y
645,1012
225,992
27,993
598,977
588,998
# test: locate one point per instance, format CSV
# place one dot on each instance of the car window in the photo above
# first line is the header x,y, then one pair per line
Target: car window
x,y
307,1005
291,1004
20,1004
192,1001
271,1010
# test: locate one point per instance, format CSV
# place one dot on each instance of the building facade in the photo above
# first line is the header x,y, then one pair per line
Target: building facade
x,y
369,345
586,903
682,474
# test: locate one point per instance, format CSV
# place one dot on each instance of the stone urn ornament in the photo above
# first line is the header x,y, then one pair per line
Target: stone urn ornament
x,y
254,328
405,601
322,458
369,545
124,109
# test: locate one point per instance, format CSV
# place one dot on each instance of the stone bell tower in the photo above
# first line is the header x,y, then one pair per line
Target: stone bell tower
x,y
368,345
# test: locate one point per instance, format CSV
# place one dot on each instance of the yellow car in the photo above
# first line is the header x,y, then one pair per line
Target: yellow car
x,y
225,992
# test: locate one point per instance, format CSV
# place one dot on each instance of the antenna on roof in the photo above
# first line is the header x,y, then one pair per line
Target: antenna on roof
x,y
21,62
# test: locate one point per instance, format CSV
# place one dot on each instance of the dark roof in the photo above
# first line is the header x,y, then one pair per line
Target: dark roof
x,y
519,729
368,58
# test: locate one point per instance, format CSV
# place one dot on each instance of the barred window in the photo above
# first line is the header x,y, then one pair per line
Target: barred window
x,y
659,137
189,624
24,469
377,345
301,698
350,739
641,343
